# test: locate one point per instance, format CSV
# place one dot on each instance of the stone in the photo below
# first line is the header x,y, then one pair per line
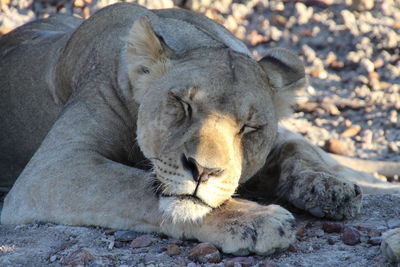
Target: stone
x,y
53,258
375,240
331,241
78,257
173,249
363,5
390,245
351,131
332,227
125,236
205,253
319,73
268,264
336,146
150,259
243,261
141,241
351,236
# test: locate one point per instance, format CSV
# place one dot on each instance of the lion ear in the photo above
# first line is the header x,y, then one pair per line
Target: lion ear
x,y
148,54
285,72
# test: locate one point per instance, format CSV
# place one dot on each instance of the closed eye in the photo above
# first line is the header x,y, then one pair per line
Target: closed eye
x,y
248,129
184,105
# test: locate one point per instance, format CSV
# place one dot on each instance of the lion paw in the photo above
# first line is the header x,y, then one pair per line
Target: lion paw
x,y
323,195
242,227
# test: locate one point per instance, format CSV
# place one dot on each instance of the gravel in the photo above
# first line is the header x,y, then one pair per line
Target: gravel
x,y
45,244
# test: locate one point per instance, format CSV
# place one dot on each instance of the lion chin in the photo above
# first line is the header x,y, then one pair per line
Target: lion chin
x,y
183,208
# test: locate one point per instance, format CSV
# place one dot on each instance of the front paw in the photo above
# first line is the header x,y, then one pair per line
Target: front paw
x,y
241,227
322,194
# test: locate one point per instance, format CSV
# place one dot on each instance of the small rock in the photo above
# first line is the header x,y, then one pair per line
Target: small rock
x,y
393,223
378,63
110,232
331,241
243,261
351,131
374,233
332,109
368,65
332,227
390,245
141,241
150,259
350,236
319,73
53,258
375,241
191,264
293,248
268,264
173,249
336,64
78,257
204,253
300,232
336,146
255,38
181,261
363,5
125,236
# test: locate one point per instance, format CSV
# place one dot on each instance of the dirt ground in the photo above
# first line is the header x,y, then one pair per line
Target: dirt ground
x,y
43,244
351,50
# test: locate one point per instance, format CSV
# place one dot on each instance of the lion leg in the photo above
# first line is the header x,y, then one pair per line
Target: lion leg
x,y
96,191
241,227
300,173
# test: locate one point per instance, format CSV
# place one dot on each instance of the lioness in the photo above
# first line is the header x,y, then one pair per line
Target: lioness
x,y
149,120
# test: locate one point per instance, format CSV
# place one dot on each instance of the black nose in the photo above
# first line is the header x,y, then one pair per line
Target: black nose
x,y
199,173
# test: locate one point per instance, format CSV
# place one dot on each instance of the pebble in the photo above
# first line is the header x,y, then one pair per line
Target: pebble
x,y
268,264
173,249
351,236
141,241
393,223
125,236
78,257
53,258
332,227
390,245
363,5
375,240
205,253
241,261
336,146
351,131
150,259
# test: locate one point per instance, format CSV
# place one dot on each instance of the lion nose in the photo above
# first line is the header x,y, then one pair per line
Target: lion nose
x,y
199,173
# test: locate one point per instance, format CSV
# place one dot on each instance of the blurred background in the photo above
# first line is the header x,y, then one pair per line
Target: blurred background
x,y
351,49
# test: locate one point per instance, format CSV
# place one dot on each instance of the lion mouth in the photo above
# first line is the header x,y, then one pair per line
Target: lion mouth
x,y
158,189
192,198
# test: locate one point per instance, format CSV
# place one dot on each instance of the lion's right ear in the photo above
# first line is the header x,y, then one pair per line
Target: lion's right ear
x,y
285,73
148,55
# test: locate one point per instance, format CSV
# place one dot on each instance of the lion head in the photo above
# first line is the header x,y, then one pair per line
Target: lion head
x,y
207,117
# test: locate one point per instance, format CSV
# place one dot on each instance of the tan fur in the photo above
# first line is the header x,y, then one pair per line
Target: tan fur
x,y
194,105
